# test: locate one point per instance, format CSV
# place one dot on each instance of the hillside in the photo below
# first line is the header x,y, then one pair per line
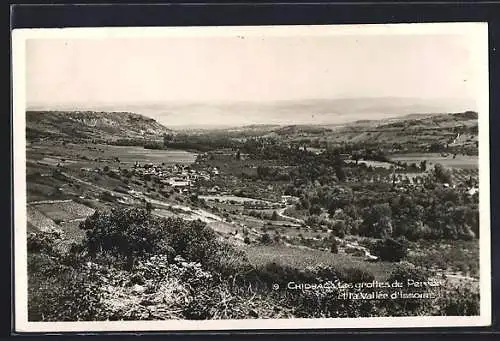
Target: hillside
x,y
459,130
91,125
438,128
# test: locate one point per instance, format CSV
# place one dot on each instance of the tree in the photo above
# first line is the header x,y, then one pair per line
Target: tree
x,y
356,156
339,171
315,209
377,221
274,216
423,165
334,245
340,228
167,138
442,174
266,239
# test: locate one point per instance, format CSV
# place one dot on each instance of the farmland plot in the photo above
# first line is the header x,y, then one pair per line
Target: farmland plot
x,y
303,258
39,221
64,211
460,161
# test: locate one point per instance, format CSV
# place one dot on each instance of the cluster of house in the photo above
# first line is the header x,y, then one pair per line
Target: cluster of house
x,y
289,200
261,205
177,176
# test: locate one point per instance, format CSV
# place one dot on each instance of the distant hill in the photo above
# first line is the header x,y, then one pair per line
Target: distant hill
x,y
92,125
284,112
415,130
454,129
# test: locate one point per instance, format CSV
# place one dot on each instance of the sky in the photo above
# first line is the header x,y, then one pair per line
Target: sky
x,y
82,72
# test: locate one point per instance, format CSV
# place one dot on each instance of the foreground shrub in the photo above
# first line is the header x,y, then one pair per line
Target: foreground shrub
x,y
59,293
131,234
182,270
459,301
403,273
41,242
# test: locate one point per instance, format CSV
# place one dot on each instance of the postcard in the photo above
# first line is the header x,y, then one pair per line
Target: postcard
x,y
249,178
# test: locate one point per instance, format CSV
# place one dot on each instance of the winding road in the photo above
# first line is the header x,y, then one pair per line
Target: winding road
x,y
281,214
202,214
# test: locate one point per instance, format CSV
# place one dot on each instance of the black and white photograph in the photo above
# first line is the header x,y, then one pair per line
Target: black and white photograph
x,y
272,177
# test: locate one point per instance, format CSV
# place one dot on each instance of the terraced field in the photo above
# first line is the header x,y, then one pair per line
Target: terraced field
x,y
63,216
38,221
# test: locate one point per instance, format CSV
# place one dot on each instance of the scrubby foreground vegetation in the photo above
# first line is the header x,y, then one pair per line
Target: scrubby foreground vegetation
x,y
134,265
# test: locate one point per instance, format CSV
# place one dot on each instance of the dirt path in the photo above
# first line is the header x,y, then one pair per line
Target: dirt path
x,y
48,202
202,214
281,214
93,185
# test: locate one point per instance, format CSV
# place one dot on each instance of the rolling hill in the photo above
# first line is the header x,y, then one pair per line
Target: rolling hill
x,y
92,125
420,131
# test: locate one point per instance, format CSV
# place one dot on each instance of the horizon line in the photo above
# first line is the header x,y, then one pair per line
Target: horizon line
x,y
252,101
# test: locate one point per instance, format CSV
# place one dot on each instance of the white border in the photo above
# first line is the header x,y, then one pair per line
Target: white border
x,y
477,30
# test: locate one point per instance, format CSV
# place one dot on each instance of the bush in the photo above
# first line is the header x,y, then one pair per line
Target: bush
x,y
405,271
407,306
355,275
107,196
334,246
273,272
60,293
266,239
42,243
459,301
391,250
340,228
134,233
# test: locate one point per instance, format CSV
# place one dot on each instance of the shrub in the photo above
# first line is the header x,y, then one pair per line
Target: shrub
x,y
60,293
334,246
407,306
107,196
42,243
340,228
135,233
459,301
271,273
405,271
355,275
266,239
391,250
377,221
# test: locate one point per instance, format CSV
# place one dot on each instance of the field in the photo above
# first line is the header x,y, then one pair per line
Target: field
x,y
460,161
371,163
63,216
85,155
229,198
38,221
303,258
460,258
